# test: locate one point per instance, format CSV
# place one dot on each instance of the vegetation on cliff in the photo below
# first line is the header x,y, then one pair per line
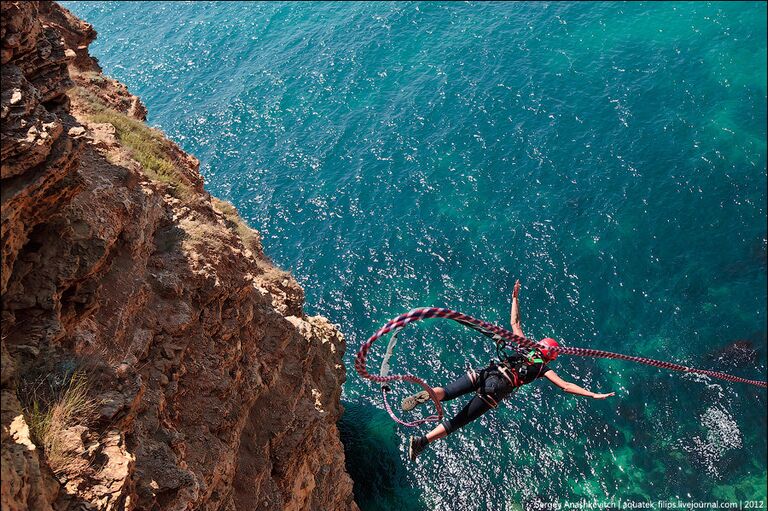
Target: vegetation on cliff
x,y
205,386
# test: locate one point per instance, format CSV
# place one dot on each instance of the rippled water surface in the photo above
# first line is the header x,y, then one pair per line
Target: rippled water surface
x,y
611,156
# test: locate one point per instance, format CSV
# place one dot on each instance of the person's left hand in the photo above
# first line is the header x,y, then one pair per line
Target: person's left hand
x,y
516,289
603,396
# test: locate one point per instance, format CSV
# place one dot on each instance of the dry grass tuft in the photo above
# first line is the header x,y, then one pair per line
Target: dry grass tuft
x,y
94,77
250,237
51,410
271,273
145,145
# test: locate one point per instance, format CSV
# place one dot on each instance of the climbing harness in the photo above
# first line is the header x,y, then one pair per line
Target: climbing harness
x,y
505,340
495,383
514,368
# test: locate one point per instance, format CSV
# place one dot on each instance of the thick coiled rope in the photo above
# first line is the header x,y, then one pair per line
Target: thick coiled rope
x,y
498,332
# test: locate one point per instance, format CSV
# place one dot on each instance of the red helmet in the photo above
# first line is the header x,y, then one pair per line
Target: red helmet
x,y
545,344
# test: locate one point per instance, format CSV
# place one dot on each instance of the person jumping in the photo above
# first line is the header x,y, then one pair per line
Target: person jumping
x,y
492,384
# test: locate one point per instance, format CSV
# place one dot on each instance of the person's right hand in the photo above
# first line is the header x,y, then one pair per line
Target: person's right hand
x,y
603,396
516,289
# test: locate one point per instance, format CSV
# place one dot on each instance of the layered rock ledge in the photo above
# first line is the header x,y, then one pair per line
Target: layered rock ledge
x,y
206,386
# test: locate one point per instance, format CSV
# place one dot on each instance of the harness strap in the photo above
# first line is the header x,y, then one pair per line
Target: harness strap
x,y
479,384
473,376
488,399
532,359
510,375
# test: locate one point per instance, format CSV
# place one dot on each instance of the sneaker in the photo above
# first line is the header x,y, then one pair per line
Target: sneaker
x,y
413,401
416,446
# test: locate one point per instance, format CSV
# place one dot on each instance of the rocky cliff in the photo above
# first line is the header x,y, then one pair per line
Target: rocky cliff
x,y
152,357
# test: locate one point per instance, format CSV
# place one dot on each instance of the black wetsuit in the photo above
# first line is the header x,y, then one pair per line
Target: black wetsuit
x,y
489,382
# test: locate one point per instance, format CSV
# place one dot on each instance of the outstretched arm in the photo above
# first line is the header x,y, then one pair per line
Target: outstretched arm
x,y
572,388
515,315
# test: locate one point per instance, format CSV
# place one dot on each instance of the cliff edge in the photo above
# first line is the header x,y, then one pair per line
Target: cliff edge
x,y
152,356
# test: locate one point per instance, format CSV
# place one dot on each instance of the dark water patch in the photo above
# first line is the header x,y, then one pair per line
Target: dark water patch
x,y
758,252
740,353
374,460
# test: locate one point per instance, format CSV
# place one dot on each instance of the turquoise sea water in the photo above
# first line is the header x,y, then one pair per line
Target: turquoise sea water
x,y
611,156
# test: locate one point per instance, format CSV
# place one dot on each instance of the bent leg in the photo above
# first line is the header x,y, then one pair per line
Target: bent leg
x,y
474,409
494,390
465,384
471,411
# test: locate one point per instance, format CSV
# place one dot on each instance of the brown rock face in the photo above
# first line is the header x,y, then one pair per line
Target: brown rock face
x,y
207,387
